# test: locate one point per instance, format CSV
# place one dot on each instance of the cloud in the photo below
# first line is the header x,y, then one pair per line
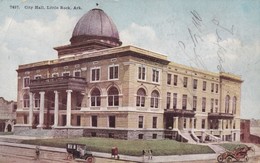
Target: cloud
x,y
29,41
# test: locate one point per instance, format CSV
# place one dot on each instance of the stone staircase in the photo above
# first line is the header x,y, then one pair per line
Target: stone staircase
x,y
187,135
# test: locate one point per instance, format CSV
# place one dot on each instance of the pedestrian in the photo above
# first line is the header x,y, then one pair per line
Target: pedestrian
x,y
143,155
150,154
37,152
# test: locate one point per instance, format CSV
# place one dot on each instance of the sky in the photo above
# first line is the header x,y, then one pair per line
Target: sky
x,y
214,35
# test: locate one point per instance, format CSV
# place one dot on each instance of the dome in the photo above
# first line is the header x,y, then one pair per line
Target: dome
x,y
95,25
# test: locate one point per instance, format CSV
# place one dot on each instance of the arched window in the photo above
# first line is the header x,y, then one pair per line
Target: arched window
x,y
26,101
227,101
37,100
140,98
155,99
113,98
95,97
234,105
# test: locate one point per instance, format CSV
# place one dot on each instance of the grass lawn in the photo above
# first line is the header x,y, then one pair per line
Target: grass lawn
x,y
127,147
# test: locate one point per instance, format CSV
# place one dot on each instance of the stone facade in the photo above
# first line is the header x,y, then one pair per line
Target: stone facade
x,y
127,93
7,115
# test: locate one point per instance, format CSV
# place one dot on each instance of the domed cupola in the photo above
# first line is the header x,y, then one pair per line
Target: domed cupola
x,y
96,25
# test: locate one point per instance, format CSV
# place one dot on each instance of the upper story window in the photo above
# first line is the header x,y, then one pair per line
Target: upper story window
x,y
95,97
95,74
37,77
55,75
234,105
204,87
168,100
212,87
184,102
140,98
212,105
174,101
37,100
227,102
154,122
77,73
65,74
203,104
113,97
169,79
141,73
113,72
216,88
195,83
155,99
216,105
194,103
26,101
175,80
155,76
26,82
185,82
141,122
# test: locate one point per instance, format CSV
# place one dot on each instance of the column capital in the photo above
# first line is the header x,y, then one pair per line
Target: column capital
x,y
56,92
42,92
68,91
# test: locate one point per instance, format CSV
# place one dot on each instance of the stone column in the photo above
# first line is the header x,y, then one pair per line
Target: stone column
x,y
220,124
41,117
56,109
176,122
31,109
68,108
192,123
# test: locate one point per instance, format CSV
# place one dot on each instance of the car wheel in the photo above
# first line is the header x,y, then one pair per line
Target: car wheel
x,y
220,158
90,159
229,159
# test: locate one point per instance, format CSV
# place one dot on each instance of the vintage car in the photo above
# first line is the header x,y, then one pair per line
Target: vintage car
x,y
240,152
79,151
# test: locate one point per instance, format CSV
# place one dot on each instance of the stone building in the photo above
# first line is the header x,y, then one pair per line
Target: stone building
x,y
96,87
7,115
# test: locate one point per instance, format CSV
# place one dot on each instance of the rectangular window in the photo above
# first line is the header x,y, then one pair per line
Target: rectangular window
x,y
26,82
204,86
77,73
55,75
185,82
216,105
140,136
203,123
168,105
175,80
154,136
154,122
37,77
195,83
174,101
65,74
95,74
140,121
155,76
195,123
203,104
94,120
169,79
78,120
184,123
112,121
194,103
216,88
113,72
212,87
141,73
184,102
212,105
